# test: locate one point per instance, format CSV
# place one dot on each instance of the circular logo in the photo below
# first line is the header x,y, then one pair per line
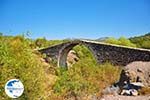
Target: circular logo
x,y
14,88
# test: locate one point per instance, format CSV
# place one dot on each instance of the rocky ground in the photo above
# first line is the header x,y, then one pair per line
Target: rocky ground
x,y
135,72
139,71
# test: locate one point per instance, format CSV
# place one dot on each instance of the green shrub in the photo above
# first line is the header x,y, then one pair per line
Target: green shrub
x,y
84,77
17,60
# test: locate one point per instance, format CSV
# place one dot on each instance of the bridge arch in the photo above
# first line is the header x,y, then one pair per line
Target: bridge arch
x,y
63,53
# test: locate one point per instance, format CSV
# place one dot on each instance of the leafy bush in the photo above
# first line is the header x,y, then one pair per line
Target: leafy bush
x,y
17,60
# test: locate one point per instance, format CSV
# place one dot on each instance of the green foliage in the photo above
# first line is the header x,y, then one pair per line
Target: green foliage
x,y
84,53
17,60
42,42
112,40
85,77
142,41
121,41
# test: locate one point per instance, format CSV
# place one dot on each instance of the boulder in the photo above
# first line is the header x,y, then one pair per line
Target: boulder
x,y
133,77
137,73
72,58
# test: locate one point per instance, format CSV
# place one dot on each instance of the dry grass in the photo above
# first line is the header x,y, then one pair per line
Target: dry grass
x,y
145,91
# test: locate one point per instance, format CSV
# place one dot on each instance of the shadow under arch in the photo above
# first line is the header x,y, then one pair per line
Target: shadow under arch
x,y
63,53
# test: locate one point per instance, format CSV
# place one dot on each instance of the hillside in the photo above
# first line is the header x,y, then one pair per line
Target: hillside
x,y
137,41
141,41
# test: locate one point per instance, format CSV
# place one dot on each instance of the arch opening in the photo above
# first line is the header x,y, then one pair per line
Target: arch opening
x,y
78,51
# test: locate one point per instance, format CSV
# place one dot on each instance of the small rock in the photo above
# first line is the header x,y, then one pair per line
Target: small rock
x,y
139,70
130,92
114,90
138,84
125,92
133,92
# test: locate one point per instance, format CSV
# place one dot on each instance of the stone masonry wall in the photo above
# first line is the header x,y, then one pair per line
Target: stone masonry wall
x,y
118,55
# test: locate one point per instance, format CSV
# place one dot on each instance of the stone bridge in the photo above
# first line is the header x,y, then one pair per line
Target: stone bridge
x,y
116,54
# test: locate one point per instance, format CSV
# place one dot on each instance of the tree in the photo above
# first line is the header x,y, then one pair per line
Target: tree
x,y
121,41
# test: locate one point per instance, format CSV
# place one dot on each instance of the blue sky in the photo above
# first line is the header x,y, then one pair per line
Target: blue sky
x,y
59,19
